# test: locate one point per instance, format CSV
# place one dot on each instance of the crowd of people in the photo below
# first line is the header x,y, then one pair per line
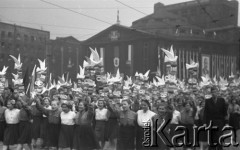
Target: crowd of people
x,y
89,122
102,109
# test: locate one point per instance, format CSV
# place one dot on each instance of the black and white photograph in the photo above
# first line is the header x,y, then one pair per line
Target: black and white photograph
x,y
119,75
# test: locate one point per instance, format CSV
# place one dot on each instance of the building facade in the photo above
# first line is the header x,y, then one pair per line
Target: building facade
x,y
214,46
30,43
65,56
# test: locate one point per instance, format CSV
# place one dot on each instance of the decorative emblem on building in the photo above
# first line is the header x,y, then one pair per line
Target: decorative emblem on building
x,y
114,35
116,61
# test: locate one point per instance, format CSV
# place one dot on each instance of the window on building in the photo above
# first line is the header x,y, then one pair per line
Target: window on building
x,y
40,39
145,55
2,44
10,46
3,34
130,52
102,54
18,37
9,34
196,32
32,38
18,47
182,31
25,37
70,49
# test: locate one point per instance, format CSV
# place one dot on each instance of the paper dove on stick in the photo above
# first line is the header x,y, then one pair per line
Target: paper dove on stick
x,y
170,56
4,70
81,75
145,76
18,64
17,80
95,56
191,65
42,67
93,60
205,81
161,81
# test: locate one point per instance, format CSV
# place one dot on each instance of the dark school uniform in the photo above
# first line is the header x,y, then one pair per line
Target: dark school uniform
x,y
84,135
54,121
11,132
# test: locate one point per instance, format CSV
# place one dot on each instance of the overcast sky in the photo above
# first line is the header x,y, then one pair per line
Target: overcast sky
x,y
89,16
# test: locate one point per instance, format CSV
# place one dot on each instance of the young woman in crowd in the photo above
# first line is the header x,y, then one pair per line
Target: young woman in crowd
x,y
67,127
164,113
101,117
112,125
234,115
144,116
84,136
54,121
25,123
44,123
36,125
11,133
187,120
176,118
2,119
127,128
202,137
127,120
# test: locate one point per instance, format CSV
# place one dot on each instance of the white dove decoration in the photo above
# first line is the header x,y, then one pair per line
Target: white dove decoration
x,y
52,86
95,57
93,60
155,83
86,64
16,79
62,81
161,81
129,80
76,89
136,74
223,82
205,81
215,80
81,75
18,64
4,70
126,86
69,83
117,78
170,56
42,67
232,75
145,76
44,89
191,65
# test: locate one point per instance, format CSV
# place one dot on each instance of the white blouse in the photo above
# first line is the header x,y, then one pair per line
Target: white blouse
x,y
12,116
68,118
101,114
144,117
176,116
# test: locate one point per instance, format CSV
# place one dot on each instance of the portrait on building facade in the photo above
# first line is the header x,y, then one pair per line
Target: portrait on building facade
x,y
205,65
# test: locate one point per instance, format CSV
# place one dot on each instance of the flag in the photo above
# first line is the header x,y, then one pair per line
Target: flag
x,y
26,79
31,87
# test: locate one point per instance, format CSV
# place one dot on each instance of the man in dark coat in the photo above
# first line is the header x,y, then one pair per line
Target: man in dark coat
x,y
215,112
